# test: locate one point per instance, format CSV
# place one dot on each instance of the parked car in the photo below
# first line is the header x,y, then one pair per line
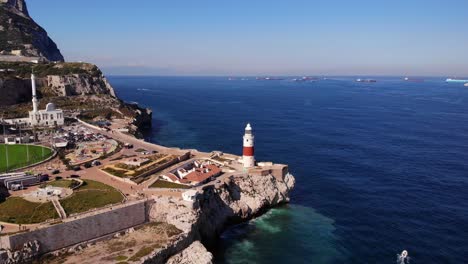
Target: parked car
x,y
74,176
54,172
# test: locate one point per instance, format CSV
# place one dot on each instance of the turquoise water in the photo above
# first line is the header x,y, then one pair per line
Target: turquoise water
x,y
263,239
380,167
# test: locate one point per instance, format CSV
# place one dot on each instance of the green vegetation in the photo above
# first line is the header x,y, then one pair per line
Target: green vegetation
x,y
24,69
140,150
89,196
115,172
143,252
16,210
59,183
116,246
121,258
18,156
64,183
166,184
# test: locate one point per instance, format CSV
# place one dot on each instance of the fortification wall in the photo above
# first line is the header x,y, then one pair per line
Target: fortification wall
x,y
92,226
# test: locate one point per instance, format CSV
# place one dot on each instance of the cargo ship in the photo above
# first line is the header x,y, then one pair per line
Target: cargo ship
x,y
408,79
305,79
366,80
456,80
270,78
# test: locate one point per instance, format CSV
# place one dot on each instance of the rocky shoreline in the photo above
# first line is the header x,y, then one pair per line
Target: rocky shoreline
x,y
217,206
240,199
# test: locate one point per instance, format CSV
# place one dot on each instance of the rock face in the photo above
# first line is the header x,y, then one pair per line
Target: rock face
x,y
79,84
18,6
238,199
196,253
52,79
24,255
20,35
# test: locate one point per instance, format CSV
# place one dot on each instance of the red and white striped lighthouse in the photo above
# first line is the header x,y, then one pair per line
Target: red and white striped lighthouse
x,y
248,153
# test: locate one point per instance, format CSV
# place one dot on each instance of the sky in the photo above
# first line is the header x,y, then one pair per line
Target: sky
x,y
261,37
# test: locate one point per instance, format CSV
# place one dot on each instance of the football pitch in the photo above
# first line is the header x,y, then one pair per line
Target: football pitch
x,y
21,156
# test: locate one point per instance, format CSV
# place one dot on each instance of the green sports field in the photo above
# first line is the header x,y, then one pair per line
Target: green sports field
x,y
18,156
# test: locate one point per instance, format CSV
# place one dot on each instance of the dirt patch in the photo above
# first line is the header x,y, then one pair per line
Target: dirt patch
x,y
130,247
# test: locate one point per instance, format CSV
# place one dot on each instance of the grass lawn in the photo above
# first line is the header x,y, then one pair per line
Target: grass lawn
x,y
89,196
117,172
166,184
18,156
60,183
16,210
63,183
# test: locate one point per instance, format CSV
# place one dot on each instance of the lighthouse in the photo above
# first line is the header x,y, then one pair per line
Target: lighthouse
x,y
248,152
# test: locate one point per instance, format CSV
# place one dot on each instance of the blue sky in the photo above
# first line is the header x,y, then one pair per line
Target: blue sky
x,y
260,37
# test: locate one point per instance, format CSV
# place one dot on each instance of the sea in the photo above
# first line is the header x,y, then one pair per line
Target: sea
x,y
380,167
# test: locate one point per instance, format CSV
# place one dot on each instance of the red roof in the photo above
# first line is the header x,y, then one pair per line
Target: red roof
x,y
202,174
171,176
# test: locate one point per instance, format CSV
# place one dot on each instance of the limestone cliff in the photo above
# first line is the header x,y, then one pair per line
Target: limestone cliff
x,y
238,199
195,253
21,36
53,80
76,87
78,84
26,254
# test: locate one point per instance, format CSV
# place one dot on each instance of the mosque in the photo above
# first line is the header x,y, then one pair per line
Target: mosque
x,y
49,117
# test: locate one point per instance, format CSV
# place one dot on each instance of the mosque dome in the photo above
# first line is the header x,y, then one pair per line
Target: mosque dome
x,y
50,107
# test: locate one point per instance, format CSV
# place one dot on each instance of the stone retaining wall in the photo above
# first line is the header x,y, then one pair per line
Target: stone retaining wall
x,y
82,229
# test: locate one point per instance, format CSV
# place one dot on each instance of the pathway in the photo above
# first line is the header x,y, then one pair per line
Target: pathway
x,y
59,208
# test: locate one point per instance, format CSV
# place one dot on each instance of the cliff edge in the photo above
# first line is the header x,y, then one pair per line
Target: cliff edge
x,y
238,199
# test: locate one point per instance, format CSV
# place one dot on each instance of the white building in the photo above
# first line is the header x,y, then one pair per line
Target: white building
x,y
189,195
48,117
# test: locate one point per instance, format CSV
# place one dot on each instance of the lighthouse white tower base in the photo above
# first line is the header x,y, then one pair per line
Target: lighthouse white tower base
x,y
248,157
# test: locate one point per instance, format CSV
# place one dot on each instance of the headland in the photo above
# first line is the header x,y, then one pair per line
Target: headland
x,y
78,185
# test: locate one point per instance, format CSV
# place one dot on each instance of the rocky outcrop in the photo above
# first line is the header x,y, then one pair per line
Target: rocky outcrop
x,y
28,253
17,6
143,117
238,199
78,84
21,36
14,91
52,79
196,253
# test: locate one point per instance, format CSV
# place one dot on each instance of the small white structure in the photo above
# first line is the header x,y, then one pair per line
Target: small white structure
x,y
248,158
189,195
49,117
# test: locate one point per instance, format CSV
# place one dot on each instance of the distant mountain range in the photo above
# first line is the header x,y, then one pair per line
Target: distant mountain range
x,y
21,37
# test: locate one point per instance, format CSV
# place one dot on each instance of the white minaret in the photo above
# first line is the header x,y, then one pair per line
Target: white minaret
x,y
248,152
34,95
